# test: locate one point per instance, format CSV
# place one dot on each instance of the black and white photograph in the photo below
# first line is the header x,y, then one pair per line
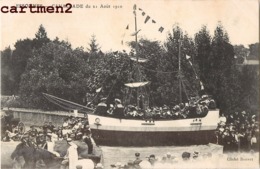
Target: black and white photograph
x,y
128,84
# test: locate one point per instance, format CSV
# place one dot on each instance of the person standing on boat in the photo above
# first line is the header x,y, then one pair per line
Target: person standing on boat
x,y
101,107
119,109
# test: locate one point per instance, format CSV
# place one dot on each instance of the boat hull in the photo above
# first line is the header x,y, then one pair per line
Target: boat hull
x,y
130,138
134,132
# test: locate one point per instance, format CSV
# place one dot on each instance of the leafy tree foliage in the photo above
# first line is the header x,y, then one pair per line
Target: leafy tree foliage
x,y
93,45
7,80
40,38
203,47
56,69
254,51
240,53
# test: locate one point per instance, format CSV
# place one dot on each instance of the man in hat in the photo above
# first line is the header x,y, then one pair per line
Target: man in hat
x,y
71,156
119,109
101,107
88,141
195,155
152,159
185,156
137,160
169,158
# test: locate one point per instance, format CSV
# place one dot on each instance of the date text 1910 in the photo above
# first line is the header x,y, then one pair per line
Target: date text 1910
x,y
37,9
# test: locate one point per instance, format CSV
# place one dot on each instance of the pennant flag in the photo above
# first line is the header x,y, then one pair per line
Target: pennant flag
x,y
147,19
135,33
143,13
134,13
124,51
98,90
153,21
123,36
188,57
161,29
190,63
140,9
201,85
134,7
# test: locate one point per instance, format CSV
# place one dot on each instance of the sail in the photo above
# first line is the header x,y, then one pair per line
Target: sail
x,y
140,60
136,84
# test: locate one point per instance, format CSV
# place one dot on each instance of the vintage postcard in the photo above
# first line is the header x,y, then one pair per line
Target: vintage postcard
x,y
164,84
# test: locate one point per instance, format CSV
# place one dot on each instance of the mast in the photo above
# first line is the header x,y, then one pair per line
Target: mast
x,y
179,57
136,45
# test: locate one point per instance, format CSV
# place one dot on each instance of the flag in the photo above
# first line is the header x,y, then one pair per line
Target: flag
x,y
140,9
190,63
161,29
127,27
98,90
153,21
143,13
134,7
201,85
188,57
147,19
135,33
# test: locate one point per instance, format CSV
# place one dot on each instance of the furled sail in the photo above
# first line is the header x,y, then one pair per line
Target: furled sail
x,y
67,105
136,84
140,60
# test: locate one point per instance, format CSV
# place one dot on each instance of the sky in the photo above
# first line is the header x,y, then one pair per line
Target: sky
x,y
240,19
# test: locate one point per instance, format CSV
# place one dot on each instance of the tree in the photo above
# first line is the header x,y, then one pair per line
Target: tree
x,y
254,51
240,53
203,51
40,38
222,74
93,45
55,69
20,56
7,79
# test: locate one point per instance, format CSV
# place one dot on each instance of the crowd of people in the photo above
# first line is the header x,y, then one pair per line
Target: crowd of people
x,y
196,107
238,132
168,160
45,136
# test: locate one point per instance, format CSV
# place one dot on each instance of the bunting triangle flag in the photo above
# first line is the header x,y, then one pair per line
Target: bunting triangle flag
x,y
201,86
188,57
134,7
161,29
136,32
153,21
98,90
147,19
143,13
123,36
140,9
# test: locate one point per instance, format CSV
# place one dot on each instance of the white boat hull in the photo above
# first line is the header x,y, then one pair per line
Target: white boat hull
x,y
135,132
